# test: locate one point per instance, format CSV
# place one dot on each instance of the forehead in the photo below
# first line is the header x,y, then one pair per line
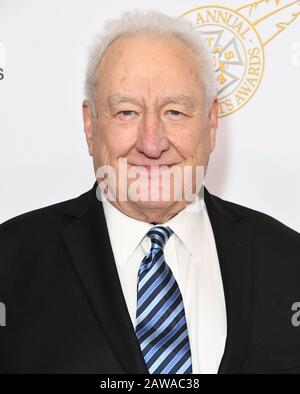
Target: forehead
x,y
147,60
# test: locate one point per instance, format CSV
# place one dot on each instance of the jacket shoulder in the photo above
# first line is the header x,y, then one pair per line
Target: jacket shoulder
x,y
260,220
38,220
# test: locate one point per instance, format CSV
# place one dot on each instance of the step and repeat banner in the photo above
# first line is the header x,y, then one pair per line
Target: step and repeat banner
x,y
255,48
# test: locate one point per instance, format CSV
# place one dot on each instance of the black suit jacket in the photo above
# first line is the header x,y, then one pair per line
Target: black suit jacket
x,y
65,309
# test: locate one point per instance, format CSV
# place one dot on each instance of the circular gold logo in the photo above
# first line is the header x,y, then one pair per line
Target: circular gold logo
x,y
237,54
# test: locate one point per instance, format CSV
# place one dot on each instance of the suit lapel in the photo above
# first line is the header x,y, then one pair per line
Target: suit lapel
x,y
234,240
87,241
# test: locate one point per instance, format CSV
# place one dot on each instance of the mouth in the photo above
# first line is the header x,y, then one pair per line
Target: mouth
x,y
153,166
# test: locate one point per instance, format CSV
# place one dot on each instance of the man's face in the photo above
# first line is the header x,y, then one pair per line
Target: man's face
x,y
151,110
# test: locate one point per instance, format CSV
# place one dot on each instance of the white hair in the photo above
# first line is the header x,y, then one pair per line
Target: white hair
x,y
155,23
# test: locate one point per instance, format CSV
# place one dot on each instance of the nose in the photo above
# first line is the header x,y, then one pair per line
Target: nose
x,y
152,140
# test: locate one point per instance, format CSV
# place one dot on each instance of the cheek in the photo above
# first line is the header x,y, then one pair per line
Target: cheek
x,y
189,140
113,143
184,144
195,145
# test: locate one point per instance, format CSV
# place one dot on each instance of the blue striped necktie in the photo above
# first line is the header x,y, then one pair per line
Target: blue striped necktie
x,y
160,318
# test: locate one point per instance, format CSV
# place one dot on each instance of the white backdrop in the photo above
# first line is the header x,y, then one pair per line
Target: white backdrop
x,y
43,154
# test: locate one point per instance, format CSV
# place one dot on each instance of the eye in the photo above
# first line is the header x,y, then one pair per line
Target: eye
x,y
126,114
175,114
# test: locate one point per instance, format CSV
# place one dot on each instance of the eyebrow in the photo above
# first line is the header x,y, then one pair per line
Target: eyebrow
x,y
183,99
116,99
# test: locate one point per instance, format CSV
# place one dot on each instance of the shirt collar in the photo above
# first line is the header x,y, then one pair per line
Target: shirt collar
x,y
126,233
188,225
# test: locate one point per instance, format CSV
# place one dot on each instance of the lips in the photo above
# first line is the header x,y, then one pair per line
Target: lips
x,y
149,166
157,166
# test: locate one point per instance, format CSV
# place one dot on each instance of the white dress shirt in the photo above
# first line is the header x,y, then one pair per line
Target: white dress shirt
x,y
191,254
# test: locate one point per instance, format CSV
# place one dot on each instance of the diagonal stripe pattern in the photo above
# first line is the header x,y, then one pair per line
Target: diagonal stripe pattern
x,y
160,318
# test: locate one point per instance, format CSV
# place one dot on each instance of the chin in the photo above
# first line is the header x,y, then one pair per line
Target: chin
x,y
158,207
154,204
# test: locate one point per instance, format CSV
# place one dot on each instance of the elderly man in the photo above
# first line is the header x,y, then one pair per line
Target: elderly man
x,y
149,272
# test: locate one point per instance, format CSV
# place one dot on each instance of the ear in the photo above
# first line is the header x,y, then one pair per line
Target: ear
x,y
88,125
213,120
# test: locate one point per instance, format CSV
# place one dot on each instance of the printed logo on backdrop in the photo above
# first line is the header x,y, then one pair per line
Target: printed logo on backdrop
x,y
2,60
237,38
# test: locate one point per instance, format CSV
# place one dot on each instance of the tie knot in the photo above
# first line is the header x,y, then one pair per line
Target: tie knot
x,y
159,235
